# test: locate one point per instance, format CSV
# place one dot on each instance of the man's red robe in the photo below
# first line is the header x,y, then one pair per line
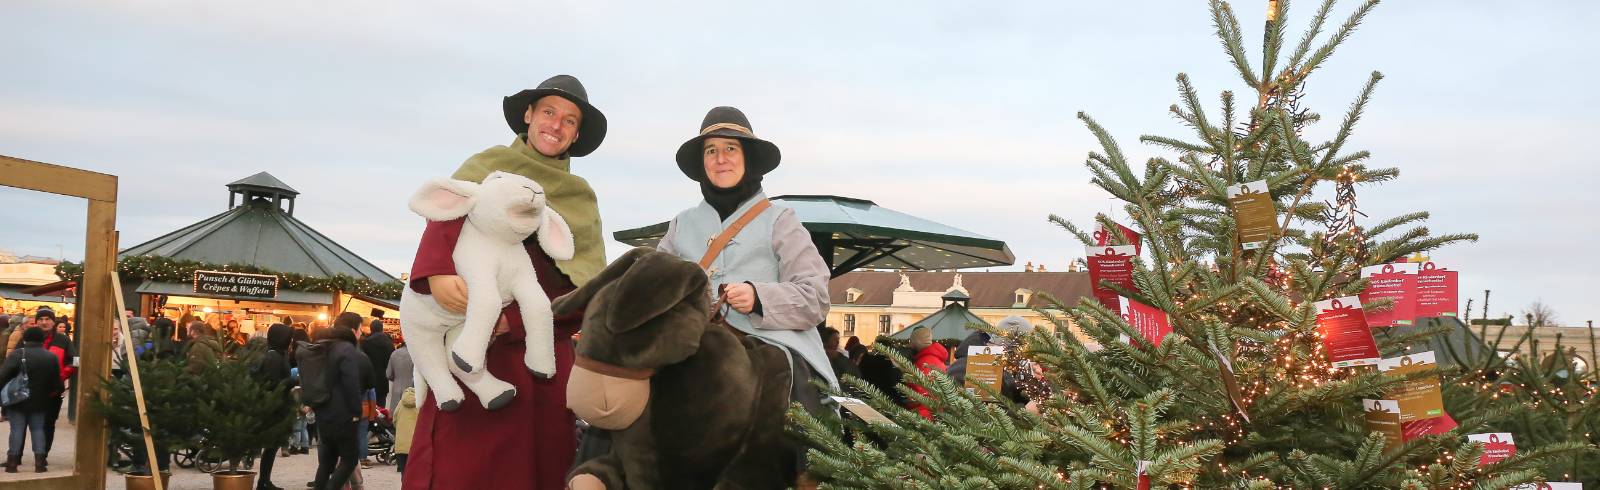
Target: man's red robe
x,y
528,444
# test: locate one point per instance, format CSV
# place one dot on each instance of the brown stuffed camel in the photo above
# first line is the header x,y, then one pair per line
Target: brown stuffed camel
x,y
693,403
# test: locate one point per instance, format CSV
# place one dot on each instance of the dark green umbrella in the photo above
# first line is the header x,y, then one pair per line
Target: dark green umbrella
x,y
856,233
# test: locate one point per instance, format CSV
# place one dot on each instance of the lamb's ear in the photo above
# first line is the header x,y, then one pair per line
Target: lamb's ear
x,y
579,298
554,235
444,199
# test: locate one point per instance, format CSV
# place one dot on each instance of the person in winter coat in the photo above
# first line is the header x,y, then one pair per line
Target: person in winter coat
x,y
405,424
273,366
469,447
841,363
56,341
337,417
399,373
1008,383
931,356
45,387
379,347
204,348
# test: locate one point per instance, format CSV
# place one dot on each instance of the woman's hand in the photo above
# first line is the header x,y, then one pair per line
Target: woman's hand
x,y
450,292
741,296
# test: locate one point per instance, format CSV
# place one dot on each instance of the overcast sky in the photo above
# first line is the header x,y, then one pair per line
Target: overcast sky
x,y
960,112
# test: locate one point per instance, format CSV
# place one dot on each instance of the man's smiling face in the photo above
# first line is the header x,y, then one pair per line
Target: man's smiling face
x,y
552,125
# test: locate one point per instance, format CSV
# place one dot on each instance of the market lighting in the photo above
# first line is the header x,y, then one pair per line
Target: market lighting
x,y
322,316
206,309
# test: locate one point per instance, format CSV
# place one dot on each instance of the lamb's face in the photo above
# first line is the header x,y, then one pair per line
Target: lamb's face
x,y
509,203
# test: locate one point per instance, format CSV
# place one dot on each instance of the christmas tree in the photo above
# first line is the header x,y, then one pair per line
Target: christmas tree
x,y
1245,392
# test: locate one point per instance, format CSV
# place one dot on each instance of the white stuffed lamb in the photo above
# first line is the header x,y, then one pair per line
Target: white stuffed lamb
x,y
490,257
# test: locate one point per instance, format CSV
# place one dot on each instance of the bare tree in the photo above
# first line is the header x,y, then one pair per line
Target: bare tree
x,y
1540,314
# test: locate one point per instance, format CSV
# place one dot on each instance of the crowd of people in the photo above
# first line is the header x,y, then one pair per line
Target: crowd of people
x,y
40,357
368,375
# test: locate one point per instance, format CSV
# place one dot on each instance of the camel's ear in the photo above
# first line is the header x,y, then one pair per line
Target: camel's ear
x,y
656,285
579,298
444,199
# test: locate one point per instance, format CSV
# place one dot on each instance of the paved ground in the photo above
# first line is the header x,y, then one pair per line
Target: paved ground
x,y
291,472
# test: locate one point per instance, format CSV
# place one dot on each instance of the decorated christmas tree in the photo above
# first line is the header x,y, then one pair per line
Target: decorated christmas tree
x,y
1239,336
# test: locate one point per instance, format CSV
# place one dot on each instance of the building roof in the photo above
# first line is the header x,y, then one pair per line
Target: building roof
x,y
950,322
988,289
264,182
258,232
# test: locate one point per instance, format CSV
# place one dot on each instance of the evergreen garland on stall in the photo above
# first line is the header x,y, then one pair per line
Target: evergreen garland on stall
x,y
165,269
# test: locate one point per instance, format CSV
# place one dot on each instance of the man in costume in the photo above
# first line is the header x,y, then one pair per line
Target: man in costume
x,y
530,442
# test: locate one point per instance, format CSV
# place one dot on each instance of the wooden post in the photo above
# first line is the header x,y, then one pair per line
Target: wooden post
x,y
100,255
138,387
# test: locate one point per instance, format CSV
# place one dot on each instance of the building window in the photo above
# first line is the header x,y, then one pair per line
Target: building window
x,y
1021,297
883,324
851,295
849,324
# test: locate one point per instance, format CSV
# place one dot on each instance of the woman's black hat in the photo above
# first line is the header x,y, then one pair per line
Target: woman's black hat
x,y
760,156
591,129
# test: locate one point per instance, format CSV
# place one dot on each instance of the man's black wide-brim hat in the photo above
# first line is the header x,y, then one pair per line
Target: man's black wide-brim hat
x,y
760,156
591,129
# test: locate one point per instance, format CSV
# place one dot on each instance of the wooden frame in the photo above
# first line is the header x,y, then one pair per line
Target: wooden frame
x,y
94,328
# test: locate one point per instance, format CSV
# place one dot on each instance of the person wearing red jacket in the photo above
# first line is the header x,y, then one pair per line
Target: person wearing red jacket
x,y
58,344
930,356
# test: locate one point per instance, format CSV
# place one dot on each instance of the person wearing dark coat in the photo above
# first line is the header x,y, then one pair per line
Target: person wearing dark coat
x,y
57,342
840,362
337,417
273,366
379,347
44,387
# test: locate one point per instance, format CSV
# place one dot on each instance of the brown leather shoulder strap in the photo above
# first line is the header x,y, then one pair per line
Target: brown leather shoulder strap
x,y
731,231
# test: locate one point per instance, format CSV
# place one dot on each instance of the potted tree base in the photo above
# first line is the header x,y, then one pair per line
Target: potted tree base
x,y
170,404
147,482
239,415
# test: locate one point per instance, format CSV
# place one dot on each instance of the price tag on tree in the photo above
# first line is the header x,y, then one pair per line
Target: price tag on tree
x,y
1397,282
1383,416
1345,335
1103,237
1115,264
1552,485
1497,446
983,369
1427,427
1254,213
1151,323
1437,293
862,410
1419,398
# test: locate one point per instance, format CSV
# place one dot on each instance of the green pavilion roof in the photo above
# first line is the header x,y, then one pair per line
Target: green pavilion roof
x,y
856,233
950,322
258,231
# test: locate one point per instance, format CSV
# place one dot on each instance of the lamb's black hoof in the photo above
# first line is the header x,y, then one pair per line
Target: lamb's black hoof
x,y
502,400
461,363
540,375
450,406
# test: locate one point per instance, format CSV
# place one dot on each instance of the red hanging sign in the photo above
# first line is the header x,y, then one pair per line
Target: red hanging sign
x,y
1427,427
1497,446
1151,323
1391,281
1103,238
1114,264
1345,335
1143,469
1437,291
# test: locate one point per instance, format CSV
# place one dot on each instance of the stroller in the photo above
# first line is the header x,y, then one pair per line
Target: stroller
x,y
380,437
